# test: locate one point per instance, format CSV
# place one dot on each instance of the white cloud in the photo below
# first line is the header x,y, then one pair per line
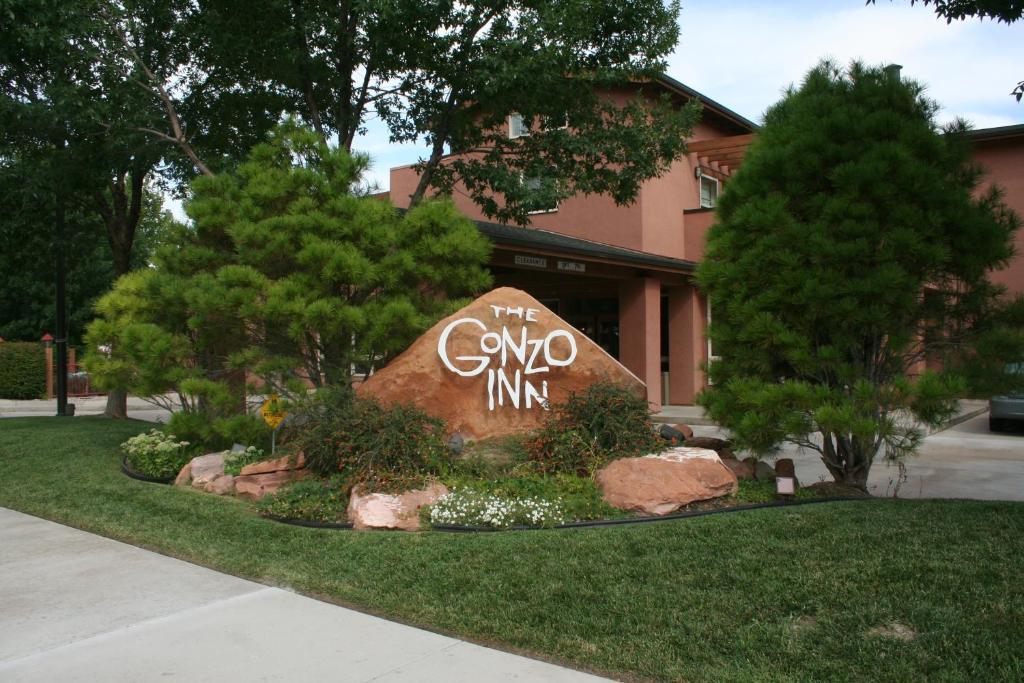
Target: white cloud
x,y
745,56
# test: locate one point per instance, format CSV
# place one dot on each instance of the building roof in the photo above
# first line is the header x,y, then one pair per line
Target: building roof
x,y
997,133
720,109
537,238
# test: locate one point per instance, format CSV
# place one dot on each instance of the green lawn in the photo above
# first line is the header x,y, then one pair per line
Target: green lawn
x,y
776,594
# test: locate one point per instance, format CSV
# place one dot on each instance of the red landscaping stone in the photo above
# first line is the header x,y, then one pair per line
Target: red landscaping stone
x,y
222,485
184,477
286,462
487,369
387,511
255,486
206,468
663,483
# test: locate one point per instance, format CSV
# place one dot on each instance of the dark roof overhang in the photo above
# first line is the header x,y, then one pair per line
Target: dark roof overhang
x,y
553,242
997,133
718,108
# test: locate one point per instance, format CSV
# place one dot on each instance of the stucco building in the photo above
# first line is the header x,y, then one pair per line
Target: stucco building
x,y
623,274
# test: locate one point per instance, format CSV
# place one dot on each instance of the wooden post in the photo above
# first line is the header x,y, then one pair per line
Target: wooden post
x,y
49,372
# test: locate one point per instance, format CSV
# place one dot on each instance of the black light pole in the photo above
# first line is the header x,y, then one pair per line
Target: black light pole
x,y
62,322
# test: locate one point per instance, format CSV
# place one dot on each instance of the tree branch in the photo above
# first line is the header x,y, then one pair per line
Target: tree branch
x,y
156,86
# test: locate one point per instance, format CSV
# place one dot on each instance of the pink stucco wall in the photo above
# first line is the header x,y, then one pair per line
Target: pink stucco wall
x,y
1003,160
654,223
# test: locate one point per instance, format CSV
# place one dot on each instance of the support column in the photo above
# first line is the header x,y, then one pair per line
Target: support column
x,y
640,333
687,347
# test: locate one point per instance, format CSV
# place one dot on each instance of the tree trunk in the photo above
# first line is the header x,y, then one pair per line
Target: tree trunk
x,y
848,459
121,214
117,405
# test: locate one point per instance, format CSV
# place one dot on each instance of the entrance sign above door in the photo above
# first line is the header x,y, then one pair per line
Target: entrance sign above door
x,y
494,367
532,261
572,266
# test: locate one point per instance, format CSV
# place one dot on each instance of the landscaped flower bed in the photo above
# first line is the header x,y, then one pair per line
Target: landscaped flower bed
x,y
597,459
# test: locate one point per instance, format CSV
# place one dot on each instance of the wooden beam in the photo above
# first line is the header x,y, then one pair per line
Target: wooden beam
x,y
734,141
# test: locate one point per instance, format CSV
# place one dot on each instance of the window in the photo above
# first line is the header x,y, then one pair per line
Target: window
x,y
708,192
711,350
517,127
560,122
541,194
712,358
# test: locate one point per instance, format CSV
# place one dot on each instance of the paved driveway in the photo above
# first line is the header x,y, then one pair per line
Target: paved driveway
x,y
964,461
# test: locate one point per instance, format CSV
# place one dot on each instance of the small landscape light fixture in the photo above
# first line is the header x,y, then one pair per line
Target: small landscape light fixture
x,y
785,487
47,340
698,171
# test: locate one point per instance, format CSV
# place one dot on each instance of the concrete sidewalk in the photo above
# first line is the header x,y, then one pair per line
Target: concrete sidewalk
x,y
80,607
84,405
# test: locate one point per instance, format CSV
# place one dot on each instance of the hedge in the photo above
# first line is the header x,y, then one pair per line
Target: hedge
x,y
22,370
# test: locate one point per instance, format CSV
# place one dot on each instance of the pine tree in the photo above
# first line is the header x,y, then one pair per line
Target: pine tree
x,y
851,247
287,273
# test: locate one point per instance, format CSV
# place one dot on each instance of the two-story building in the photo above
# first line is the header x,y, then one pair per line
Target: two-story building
x,y
623,275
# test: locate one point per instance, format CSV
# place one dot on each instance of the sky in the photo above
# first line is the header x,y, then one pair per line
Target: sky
x,y
744,54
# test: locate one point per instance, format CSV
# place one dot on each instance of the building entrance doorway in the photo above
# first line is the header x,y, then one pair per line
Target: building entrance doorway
x,y
598,319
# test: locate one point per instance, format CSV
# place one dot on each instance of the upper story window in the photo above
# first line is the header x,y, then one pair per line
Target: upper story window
x,y
517,127
542,195
708,192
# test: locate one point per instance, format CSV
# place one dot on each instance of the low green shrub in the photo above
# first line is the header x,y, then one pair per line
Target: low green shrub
x,y
156,454
248,430
218,434
314,500
593,427
382,448
234,462
22,370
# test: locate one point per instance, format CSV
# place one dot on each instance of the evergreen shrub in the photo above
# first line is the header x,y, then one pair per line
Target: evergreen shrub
x,y
218,434
383,448
593,427
22,370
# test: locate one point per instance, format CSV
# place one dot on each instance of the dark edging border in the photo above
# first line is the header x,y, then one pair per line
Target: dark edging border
x,y
308,523
455,528
144,477
459,529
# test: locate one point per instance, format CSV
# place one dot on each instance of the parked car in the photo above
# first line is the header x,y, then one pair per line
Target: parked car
x,y
1003,411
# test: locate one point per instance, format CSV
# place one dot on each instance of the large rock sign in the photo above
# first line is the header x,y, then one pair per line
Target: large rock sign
x,y
493,367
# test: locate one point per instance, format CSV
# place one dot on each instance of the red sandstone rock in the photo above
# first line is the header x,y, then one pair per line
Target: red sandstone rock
x,y
222,485
285,462
685,429
741,468
763,471
663,483
720,446
462,394
255,486
206,468
386,511
184,477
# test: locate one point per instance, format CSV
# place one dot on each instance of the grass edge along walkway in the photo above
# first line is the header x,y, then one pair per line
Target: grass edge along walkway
x,y
882,590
